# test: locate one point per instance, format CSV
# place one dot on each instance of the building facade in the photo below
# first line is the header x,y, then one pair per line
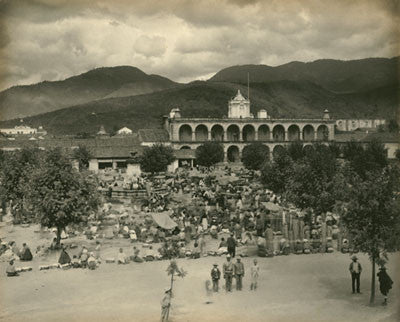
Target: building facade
x,y
354,124
241,128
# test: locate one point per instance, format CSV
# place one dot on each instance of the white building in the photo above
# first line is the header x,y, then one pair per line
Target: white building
x,y
124,131
19,130
354,124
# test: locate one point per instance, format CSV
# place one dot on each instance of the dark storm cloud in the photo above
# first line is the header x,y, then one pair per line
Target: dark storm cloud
x,y
186,40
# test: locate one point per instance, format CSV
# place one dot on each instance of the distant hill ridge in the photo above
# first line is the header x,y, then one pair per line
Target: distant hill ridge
x,y
126,96
334,75
27,100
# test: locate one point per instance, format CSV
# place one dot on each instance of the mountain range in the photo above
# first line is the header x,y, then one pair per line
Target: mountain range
x,y
126,96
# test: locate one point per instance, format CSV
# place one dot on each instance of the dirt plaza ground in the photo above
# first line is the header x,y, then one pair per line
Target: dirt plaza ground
x,y
312,287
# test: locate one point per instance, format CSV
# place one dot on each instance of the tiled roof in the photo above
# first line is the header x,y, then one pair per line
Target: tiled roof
x,y
384,137
120,147
153,135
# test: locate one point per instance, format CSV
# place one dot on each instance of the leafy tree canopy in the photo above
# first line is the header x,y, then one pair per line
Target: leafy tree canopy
x,y
209,154
254,155
156,158
83,155
59,195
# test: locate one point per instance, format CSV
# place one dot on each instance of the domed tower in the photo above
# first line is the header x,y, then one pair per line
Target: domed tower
x,y
239,107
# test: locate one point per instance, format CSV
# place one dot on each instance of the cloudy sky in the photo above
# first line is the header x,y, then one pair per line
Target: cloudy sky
x,y
186,39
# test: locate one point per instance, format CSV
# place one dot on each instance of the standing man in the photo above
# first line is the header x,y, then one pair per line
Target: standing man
x,y
215,276
239,273
355,270
165,304
255,272
231,245
227,270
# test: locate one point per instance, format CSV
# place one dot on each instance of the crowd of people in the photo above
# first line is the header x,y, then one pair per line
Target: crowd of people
x,y
230,208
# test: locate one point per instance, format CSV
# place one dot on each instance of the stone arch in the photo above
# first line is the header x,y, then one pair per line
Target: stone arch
x,y
277,149
249,133
217,133
323,133
201,132
308,133
233,133
278,133
233,154
185,147
185,133
293,133
263,133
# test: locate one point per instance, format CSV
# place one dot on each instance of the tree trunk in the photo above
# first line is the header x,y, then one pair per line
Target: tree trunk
x,y
59,230
172,284
372,298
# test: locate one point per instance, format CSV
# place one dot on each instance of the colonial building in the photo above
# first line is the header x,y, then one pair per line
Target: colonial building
x,y
354,124
241,128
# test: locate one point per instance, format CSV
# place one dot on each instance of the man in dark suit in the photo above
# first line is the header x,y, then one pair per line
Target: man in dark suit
x,y
355,270
231,245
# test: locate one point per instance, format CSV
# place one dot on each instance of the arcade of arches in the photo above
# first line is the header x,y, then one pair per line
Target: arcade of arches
x,y
250,132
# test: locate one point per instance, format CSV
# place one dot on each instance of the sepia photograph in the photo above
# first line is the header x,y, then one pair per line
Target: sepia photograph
x,y
208,160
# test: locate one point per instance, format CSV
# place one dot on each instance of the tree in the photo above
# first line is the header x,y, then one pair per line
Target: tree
x,y
83,155
209,153
393,126
295,150
156,158
15,170
174,270
59,194
397,154
363,159
275,174
254,155
371,214
312,181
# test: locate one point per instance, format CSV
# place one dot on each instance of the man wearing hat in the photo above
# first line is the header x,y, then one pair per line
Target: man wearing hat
x,y
165,304
215,276
227,270
355,270
239,273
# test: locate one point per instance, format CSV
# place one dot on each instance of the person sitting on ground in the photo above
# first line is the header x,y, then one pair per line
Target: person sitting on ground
x,y
64,257
14,248
121,257
25,253
75,262
91,262
136,258
84,257
11,271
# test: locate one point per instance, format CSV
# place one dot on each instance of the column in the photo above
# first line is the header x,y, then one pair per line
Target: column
x,y
114,165
315,135
240,136
286,138
225,137
209,136
301,135
193,136
271,135
256,135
